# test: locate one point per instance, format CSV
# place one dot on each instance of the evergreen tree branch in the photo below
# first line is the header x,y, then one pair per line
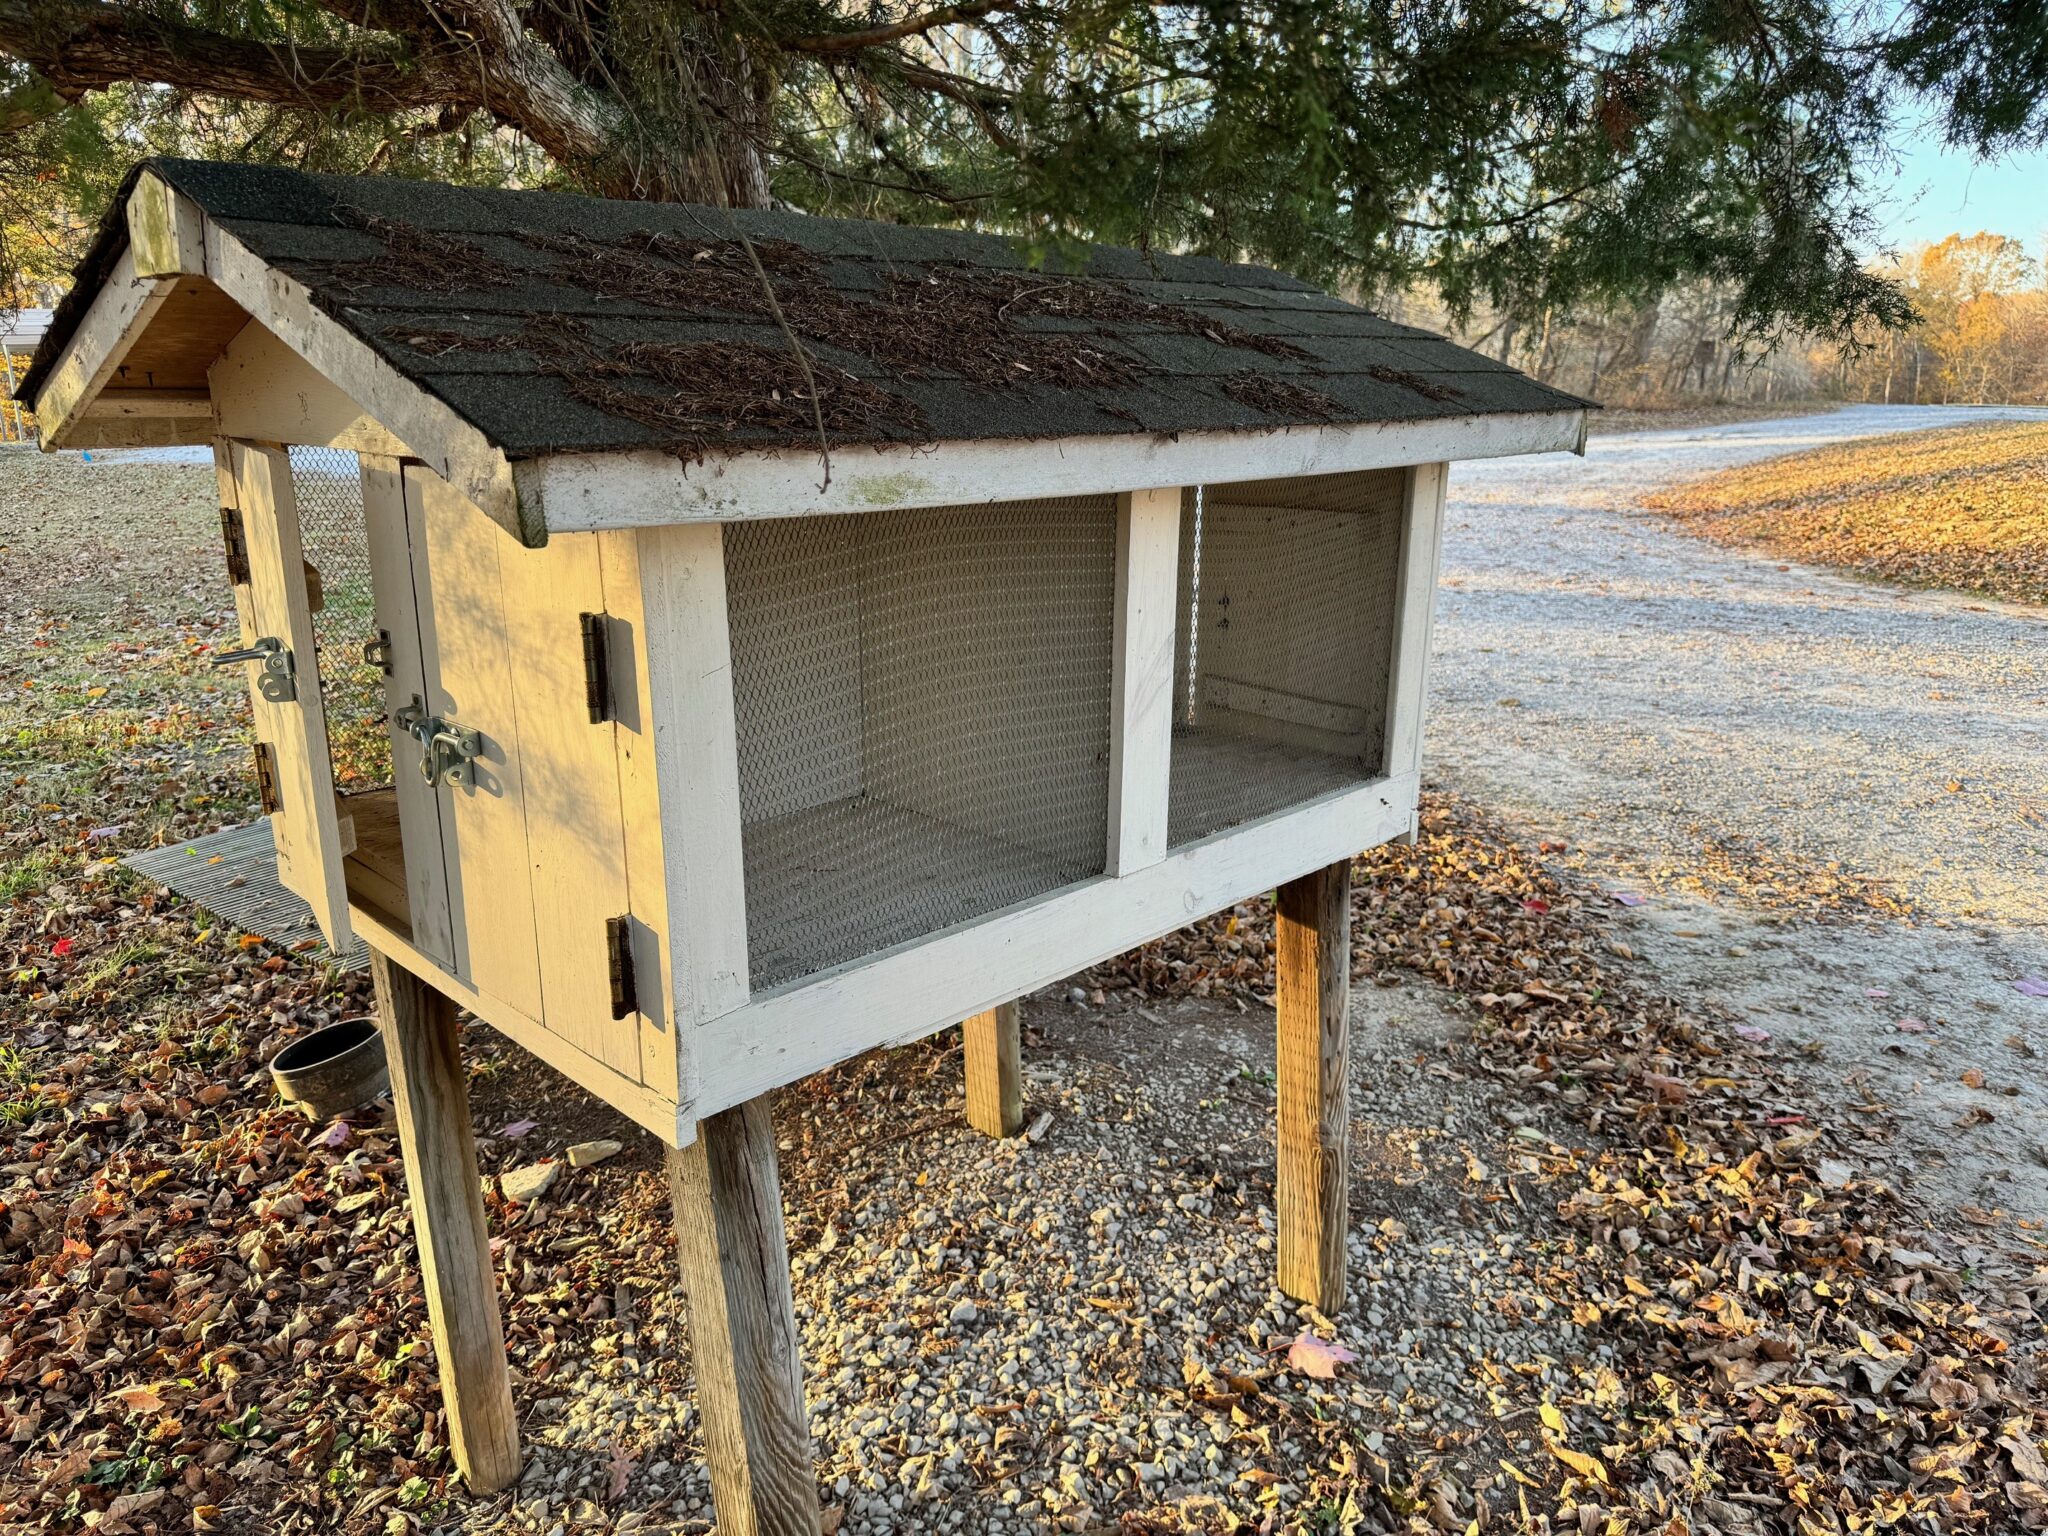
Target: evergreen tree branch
x,y
80,46
895,31
29,103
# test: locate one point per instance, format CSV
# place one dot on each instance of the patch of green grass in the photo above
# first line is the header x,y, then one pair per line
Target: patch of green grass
x,y
24,1108
14,1067
110,967
26,877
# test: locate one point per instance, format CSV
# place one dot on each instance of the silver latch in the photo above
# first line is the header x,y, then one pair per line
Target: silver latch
x,y
446,749
277,682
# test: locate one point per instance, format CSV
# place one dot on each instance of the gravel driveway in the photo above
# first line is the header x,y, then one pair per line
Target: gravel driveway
x,y
1725,736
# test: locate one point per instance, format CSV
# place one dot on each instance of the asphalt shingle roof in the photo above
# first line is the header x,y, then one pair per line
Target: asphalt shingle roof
x,y
559,323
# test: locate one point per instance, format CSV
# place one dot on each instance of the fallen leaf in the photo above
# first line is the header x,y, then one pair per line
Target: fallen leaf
x,y
1578,1461
2026,1458
140,1399
619,1471
1312,1357
517,1129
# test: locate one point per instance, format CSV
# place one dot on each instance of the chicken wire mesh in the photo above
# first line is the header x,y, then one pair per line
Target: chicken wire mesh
x,y
1284,644
328,488
922,707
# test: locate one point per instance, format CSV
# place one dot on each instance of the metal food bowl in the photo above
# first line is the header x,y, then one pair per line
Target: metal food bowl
x,y
332,1070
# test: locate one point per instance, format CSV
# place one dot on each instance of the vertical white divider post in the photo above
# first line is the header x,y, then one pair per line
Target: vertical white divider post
x,y
1141,687
1421,560
688,654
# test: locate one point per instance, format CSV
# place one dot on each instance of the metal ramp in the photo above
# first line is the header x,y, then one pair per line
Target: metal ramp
x,y
232,873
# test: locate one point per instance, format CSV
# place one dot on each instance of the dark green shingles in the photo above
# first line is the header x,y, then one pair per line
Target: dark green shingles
x,y
1187,355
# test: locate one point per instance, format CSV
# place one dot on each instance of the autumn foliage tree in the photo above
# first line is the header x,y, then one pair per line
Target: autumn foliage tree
x,y
1980,333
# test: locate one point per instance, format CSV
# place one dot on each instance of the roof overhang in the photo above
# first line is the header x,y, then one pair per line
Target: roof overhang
x,y
170,247
582,492
305,378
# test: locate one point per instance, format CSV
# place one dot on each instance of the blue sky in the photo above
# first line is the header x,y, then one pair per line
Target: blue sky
x,y
1938,191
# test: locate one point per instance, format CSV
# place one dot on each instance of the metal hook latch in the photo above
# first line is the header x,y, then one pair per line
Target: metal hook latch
x,y
446,749
277,682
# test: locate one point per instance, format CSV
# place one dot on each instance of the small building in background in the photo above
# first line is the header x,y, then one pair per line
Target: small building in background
x,y
21,332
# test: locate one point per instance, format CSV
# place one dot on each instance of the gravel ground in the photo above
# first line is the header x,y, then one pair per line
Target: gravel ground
x,y
1825,788
1058,1334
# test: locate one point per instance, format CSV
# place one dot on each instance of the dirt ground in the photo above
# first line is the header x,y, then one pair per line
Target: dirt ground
x,y
1616,1265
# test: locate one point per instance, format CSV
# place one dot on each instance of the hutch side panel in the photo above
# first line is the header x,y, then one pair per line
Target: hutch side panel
x,y
518,647
575,835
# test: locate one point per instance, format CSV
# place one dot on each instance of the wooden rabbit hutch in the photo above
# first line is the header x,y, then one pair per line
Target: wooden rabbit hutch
x,y
795,636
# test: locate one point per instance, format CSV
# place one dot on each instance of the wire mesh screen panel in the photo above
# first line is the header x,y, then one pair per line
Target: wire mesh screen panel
x,y
1284,645
329,490
922,707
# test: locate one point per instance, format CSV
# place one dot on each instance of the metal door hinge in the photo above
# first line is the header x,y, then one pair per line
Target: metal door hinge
x,y
618,943
278,681
597,667
377,652
266,779
447,750
237,546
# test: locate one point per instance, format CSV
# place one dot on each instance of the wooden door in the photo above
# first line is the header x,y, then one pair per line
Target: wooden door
x,y
467,682
416,802
284,682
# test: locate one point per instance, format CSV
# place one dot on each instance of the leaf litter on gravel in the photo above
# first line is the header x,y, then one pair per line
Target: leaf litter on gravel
x,y
1791,1362
210,1310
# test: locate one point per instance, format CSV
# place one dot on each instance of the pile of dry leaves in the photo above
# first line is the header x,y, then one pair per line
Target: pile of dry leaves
x,y
1966,508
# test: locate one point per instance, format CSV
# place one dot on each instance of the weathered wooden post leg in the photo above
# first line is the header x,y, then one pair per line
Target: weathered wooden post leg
x,y
432,1100
1313,957
750,1376
995,1071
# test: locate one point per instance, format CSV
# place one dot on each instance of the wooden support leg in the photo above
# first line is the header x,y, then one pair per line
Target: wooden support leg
x,y
432,1100
1313,956
750,1378
995,1072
